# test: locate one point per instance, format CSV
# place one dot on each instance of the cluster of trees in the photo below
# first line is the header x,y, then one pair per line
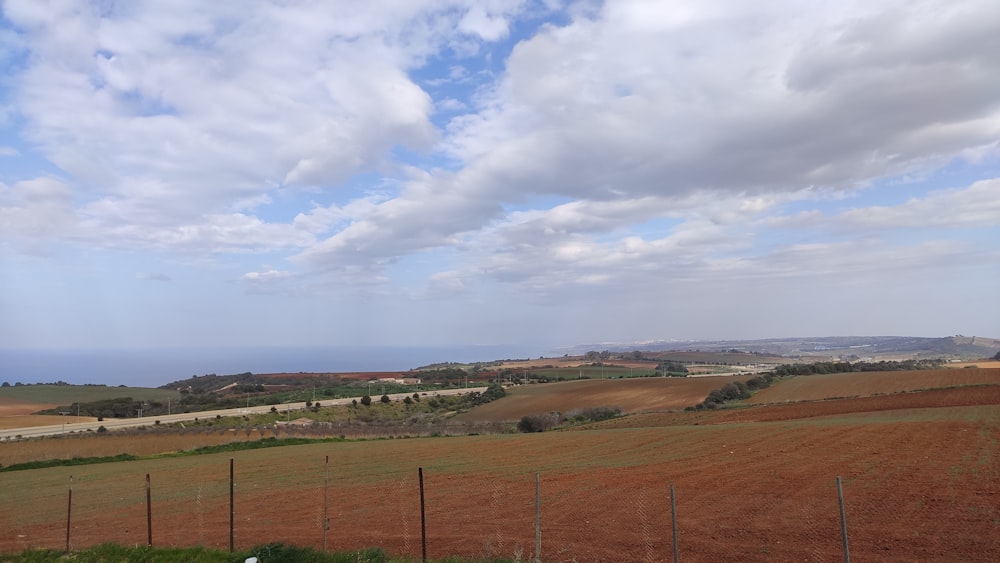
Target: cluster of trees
x,y
443,375
672,366
847,367
121,407
450,402
548,421
594,355
735,391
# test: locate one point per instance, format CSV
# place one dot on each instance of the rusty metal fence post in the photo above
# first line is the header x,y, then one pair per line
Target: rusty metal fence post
x,y
423,519
232,505
843,521
326,503
673,522
149,513
69,512
538,519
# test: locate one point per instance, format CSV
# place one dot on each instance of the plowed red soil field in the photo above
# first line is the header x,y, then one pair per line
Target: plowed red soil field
x,y
865,384
632,395
920,473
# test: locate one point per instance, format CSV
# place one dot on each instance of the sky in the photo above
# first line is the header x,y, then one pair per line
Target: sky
x,y
450,173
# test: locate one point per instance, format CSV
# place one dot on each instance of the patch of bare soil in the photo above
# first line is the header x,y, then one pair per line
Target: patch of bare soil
x,y
17,414
865,384
632,395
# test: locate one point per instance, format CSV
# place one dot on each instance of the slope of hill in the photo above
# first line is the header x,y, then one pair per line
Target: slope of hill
x,y
879,347
631,395
867,384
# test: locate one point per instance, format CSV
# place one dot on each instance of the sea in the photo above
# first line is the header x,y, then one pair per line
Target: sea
x,y
154,367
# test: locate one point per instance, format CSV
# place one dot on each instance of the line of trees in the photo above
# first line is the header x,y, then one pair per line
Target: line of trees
x,y
848,367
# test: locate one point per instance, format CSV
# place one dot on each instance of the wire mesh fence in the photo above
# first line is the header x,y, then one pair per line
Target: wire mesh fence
x,y
598,514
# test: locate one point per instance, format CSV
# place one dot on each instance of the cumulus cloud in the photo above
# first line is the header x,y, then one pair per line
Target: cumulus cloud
x,y
36,209
627,106
974,206
168,112
619,143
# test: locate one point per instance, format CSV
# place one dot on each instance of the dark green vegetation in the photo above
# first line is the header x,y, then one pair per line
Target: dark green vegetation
x,y
269,553
848,367
68,462
221,448
213,392
735,391
552,420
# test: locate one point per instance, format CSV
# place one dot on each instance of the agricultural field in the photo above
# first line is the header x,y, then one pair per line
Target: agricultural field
x,y
611,371
920,474
18,403
15,413
631,395
68,394
864,384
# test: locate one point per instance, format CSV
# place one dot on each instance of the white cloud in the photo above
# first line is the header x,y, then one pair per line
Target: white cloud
x,y
445,148
975,206
192,107
36,209
267,275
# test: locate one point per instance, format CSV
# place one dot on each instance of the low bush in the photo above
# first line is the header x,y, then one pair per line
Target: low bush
x,y
539,422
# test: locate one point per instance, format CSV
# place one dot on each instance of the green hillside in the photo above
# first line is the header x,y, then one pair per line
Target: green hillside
x,y
69,394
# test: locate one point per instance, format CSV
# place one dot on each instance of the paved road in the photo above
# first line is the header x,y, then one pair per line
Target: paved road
x,y
116,423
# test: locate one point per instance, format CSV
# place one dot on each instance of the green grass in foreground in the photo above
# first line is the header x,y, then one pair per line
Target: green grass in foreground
x,y
270,553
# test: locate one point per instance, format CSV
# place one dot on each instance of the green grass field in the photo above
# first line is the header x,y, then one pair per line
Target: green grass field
x,y
69,394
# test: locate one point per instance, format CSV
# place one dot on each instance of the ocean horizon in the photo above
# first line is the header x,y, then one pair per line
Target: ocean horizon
x,y
153,367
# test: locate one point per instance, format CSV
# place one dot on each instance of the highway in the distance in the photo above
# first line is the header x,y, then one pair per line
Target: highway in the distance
x,y
118,423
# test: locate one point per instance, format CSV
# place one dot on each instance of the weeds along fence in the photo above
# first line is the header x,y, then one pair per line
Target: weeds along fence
x,y
606,514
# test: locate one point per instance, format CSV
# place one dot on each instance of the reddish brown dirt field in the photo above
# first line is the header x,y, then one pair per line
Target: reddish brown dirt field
x,y
921,483
632,395
13,407
864,384
982,364
16,414
983,395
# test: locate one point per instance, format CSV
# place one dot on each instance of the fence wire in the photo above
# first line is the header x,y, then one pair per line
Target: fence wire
x,y
602,514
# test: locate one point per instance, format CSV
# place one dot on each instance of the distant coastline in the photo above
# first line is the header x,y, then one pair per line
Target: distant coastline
x,y
157,366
